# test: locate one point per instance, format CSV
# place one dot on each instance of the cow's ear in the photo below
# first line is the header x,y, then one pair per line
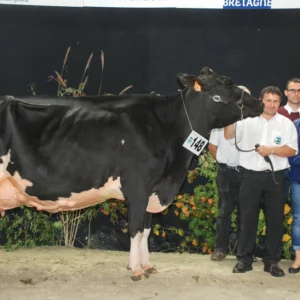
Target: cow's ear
x,y
190,81
197,86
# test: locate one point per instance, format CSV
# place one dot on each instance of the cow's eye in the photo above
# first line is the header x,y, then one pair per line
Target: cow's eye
x,y
216,98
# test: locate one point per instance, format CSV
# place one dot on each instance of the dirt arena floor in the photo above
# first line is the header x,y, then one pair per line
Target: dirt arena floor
x,y
60,273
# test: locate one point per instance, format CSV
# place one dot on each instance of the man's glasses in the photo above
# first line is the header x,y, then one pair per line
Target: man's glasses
x,y
294,91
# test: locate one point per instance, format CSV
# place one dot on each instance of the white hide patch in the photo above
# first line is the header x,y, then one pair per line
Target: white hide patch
x,y
12,188
123,142
4,164
111,189
154,205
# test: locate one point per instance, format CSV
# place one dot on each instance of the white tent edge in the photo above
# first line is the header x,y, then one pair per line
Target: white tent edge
x,y
200,4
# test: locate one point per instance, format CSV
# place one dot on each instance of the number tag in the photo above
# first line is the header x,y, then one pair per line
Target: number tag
x,y
195,143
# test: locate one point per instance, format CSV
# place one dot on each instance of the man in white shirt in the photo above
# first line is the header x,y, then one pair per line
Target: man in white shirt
x,y
278,139
229,177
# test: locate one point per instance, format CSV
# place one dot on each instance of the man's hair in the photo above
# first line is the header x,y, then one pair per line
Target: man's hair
x,y
296,80
270,90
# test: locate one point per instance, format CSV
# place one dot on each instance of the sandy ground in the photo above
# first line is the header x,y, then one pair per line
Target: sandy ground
x,y
59,273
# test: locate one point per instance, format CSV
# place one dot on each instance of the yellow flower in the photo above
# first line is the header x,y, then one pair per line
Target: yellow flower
x,y
290,220
180,232
156,232
286,237
195,242
185,209
287,209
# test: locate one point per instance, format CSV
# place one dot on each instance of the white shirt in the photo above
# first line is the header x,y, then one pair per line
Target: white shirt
x,y
290,110
276,132
226,152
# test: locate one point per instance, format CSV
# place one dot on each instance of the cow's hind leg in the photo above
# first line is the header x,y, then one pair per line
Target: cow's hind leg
x,y
144,251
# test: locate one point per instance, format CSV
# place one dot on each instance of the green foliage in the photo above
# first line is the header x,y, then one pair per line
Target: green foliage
x,y
199,210
112,207
32,88
287,240
261,226
29,228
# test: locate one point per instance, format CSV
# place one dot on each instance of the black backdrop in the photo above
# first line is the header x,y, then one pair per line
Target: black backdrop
x,y
146,47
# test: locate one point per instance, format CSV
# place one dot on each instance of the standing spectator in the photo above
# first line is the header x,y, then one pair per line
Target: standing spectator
x,y
292,108
294,176
277,136
229,177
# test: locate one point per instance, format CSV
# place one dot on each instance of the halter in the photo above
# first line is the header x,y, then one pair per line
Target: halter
x,y
216,98
239,103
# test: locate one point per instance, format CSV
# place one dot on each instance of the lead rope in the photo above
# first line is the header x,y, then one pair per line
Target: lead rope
x,y
186,110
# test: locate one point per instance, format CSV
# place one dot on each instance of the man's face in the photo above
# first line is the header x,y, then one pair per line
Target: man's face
x,y
272,103
293,93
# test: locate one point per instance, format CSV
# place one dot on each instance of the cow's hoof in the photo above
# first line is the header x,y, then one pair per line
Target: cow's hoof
x,y
140,277
152,270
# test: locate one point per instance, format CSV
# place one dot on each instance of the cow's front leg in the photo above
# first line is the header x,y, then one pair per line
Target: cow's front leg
x,y
135,260
136,227
144,250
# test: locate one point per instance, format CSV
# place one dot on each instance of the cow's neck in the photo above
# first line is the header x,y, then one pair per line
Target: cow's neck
x,y
178,129
195,114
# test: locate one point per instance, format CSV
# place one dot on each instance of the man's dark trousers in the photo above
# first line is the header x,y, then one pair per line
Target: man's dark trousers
x,y
257,187
228,181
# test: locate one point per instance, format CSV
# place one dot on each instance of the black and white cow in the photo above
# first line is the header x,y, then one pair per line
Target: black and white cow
x,y
67,154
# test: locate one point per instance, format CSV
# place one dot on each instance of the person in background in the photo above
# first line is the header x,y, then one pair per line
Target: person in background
x,y
229,175
277,139
292,111
292,108
293,175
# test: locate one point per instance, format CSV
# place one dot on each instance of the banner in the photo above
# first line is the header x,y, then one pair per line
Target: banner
x,y
74,3
239,4
201,4
131,3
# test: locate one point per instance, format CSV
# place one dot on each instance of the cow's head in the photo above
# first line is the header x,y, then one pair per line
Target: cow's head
x,y
230,102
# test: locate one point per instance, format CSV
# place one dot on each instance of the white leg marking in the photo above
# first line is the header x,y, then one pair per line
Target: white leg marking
x,y
135,261
144,250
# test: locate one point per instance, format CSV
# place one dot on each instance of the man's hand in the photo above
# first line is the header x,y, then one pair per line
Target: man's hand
x,y
264,151
213,150
282,151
